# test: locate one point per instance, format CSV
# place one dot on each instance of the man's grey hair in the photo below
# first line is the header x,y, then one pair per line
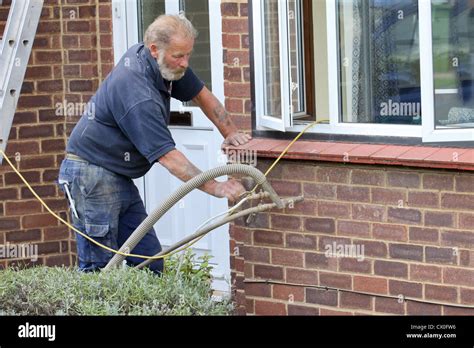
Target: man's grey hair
x,y
165,27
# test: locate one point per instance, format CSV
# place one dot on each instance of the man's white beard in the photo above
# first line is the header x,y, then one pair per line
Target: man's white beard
x,y
166,72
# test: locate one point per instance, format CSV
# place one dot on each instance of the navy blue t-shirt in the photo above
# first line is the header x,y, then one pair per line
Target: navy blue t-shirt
x,y
125,126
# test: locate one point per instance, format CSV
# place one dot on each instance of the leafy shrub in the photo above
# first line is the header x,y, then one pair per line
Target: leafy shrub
x,y
183,289
188,267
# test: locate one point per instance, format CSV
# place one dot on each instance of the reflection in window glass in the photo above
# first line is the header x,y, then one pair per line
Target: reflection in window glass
x,y
271,59
453,60
379,61
148,10
296,56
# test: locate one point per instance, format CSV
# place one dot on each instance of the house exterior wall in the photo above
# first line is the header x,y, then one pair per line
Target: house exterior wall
x,y
72,53
416,227
235,42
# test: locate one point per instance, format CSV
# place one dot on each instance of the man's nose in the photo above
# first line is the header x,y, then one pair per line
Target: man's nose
x,y
184,63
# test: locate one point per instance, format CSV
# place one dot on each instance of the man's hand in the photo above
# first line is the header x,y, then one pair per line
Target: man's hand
x,y
218,115
178,165
236,139
230,189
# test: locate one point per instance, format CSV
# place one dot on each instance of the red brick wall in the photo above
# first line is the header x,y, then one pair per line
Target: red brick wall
x,y
416,226
235,40
72,53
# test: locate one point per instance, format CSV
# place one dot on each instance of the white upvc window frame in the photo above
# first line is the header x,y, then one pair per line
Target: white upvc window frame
x,y
430,133
285,77
426,131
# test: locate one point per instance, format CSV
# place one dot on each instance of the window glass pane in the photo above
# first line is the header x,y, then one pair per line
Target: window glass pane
x,y
453,60
379,61
296,56
271,59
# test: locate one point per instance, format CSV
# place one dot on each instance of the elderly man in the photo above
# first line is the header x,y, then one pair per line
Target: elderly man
x,y
125,132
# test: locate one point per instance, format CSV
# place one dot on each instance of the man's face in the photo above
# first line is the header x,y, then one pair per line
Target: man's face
x,y
174,60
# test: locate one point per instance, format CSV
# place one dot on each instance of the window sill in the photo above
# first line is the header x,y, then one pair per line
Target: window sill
x,y
410,156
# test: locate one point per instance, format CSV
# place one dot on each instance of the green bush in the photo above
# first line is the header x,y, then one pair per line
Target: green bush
x,y
183,289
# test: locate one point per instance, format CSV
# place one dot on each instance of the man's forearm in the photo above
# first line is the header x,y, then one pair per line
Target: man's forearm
x,y
178,165
216,112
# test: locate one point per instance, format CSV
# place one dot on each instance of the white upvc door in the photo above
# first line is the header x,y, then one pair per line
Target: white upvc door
x,y
199,141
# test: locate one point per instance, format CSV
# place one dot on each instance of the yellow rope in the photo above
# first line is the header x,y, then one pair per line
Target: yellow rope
x,y
268,170
136,255
288,147
65,222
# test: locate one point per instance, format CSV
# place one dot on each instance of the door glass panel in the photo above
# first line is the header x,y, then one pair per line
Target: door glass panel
x,y
148,10
197,11
453,62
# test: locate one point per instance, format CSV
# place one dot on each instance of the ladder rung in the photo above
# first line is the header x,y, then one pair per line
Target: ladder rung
x,y
15,49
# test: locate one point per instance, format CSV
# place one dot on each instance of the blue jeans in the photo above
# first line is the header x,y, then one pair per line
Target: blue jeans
x,y
109,208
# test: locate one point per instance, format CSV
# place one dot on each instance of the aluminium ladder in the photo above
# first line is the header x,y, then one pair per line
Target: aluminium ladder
x,y
15,49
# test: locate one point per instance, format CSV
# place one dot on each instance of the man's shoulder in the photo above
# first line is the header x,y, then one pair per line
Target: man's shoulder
x,y
129,78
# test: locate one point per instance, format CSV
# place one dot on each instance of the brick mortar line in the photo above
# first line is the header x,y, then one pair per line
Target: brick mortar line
x,y
373,275
375,295
283,248
285,267
363,239
312,305
408,262
98,44
350,218
443,229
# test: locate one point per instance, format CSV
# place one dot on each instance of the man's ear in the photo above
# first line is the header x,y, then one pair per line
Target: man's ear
x,y
154,51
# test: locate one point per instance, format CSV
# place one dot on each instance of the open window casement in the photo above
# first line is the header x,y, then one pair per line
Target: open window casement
x,y
447,89
272,63
389,70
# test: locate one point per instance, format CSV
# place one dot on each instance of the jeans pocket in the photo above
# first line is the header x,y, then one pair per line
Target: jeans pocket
x,y
96,225
102,234
94,230
91,181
